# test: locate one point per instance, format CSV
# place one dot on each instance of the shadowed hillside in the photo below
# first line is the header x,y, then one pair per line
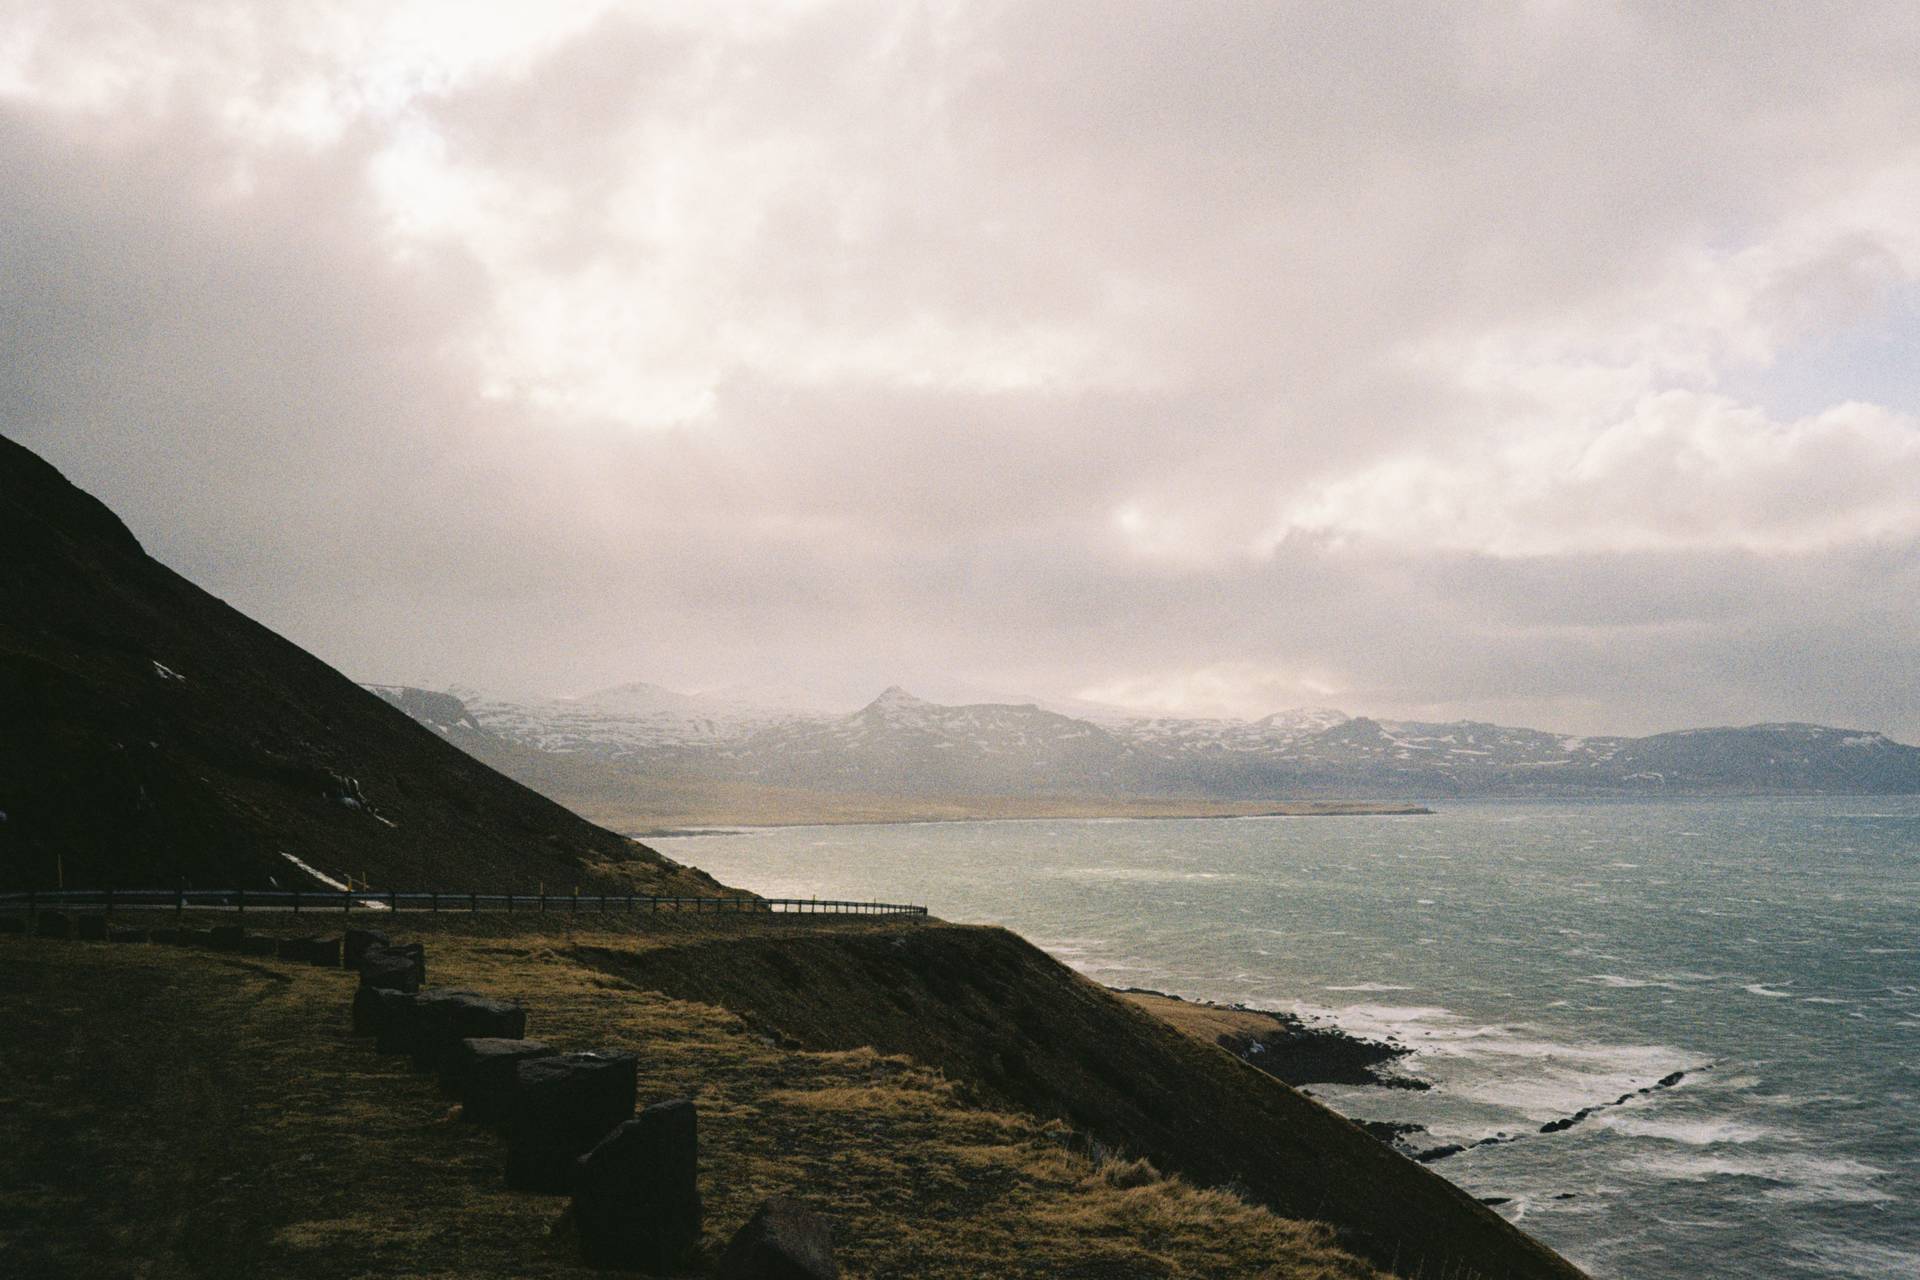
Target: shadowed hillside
x,y
993,1011
155,736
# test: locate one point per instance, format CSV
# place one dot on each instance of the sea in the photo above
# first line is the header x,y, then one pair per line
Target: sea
x,y
1539,959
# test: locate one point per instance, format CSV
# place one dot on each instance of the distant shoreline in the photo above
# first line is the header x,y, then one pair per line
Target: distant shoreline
x,y
1092,813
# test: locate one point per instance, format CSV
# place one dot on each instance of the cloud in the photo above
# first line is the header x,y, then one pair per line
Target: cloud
x,y
1686,471
1208,357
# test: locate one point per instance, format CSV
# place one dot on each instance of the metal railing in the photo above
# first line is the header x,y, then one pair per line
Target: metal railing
x,y
345,902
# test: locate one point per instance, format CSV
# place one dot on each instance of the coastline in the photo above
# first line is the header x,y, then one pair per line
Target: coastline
x,y
1286,1046
1146,811
1299,1052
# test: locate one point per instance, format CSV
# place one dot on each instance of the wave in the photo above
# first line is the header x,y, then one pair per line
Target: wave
x,y
1791,1178
1690,1133
1510,1067
1626,983
1142,875
1861,1258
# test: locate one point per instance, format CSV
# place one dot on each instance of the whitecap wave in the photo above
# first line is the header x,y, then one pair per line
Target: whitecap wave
x,y
1627,983
1143,875
1706,1132
1509,1066
1792,1179
1862,1258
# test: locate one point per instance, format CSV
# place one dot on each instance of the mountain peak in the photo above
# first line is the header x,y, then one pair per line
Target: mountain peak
x,y
894,696
1306,718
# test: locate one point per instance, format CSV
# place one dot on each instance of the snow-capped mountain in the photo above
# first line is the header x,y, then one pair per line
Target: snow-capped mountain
x,y
903,745
900,742
628,721
1172,735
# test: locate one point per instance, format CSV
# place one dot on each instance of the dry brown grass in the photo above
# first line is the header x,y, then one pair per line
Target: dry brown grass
x,y
176,1113
1206,1022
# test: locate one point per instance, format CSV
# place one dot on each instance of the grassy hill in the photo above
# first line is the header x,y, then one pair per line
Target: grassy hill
x,y
958,1104
155,736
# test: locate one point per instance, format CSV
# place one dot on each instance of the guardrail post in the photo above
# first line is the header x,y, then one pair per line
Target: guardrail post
x,y
509,903
393,901
180,903
436,902
241,896
474,903
296,900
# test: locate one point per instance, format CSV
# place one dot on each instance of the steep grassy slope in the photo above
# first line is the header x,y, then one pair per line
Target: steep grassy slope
x,y
154,736
991,1010
181,1114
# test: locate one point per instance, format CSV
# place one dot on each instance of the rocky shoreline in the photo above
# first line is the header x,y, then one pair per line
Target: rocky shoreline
x,y
1300,1053
1285,1045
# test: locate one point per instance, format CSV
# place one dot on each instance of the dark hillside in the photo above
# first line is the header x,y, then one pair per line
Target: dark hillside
x,y
991,1010
150,735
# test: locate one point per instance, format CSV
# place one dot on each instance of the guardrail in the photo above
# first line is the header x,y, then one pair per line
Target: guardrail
x,y
345,902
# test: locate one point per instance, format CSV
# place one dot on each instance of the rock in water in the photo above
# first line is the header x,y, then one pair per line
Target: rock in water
x,y
783,1240
562,1106
359,941
481,1071
443,1018
636,1200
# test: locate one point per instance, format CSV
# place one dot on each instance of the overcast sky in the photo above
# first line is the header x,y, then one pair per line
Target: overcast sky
x,y
1547,363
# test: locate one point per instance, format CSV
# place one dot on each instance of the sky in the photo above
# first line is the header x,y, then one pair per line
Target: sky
x,y
1547,363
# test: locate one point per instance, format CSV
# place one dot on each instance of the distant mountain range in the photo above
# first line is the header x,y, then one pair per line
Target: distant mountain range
x,y
900,746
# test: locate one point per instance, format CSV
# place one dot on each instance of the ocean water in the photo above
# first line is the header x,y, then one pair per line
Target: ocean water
x,y
1539,958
